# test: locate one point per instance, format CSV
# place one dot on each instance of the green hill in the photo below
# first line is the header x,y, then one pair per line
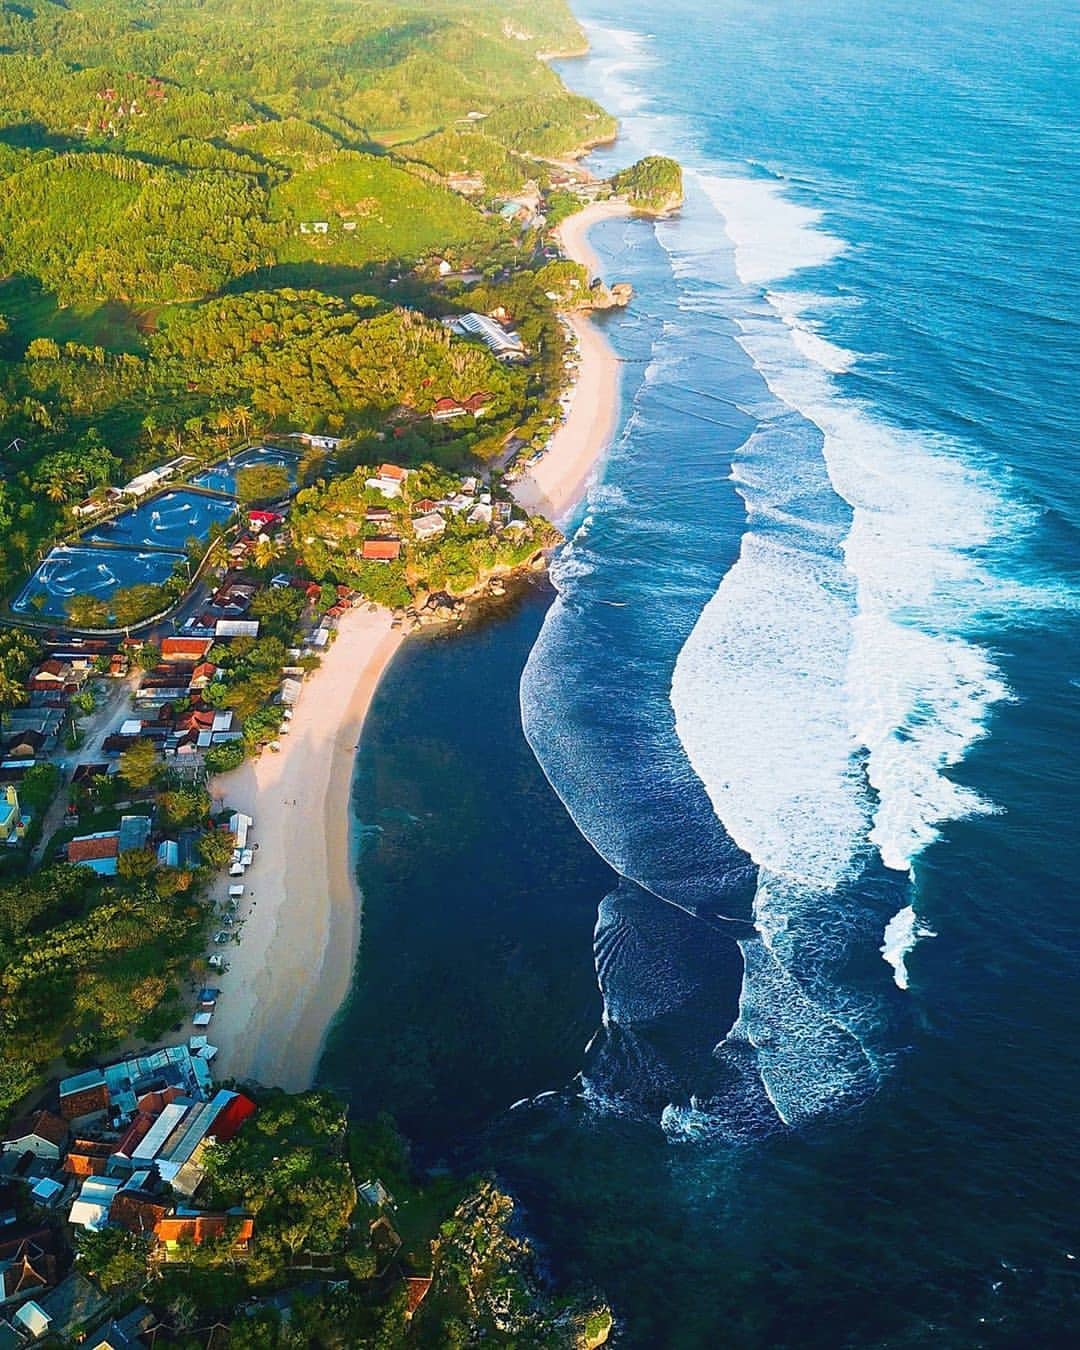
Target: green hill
x,y
375,212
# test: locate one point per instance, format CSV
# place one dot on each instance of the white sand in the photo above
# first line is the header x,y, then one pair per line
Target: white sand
x,y
291,971
555,485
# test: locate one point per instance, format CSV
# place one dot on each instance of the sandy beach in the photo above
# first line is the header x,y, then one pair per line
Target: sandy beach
x,y
293,966
555,485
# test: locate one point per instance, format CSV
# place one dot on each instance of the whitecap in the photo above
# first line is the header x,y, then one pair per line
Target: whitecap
x,y
902,932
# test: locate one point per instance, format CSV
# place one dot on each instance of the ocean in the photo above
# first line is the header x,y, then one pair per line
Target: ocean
x,y
776,843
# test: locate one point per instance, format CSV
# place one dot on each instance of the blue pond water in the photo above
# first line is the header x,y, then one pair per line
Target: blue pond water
x,y
221,477
166,521
99,572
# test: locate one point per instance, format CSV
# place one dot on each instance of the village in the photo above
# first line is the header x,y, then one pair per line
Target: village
x,y
126,728
113,1168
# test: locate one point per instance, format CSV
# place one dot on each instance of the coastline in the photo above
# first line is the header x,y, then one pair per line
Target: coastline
x,y
291,972
555,484
293,967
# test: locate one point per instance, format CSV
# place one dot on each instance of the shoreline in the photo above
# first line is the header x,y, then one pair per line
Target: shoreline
x,y
300,919
300,916
555,485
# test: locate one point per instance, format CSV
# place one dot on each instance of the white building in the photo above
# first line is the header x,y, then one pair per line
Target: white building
x,y
503,343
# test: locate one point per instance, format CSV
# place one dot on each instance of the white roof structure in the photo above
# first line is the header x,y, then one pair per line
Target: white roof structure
x,y
91,1208
501,342
427,527
34,1318
239,824
154,1140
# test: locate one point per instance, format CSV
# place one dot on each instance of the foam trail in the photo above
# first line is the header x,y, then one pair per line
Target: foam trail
x,y
901,934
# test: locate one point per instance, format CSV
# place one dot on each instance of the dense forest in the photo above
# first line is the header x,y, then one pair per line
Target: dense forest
x,y
218,223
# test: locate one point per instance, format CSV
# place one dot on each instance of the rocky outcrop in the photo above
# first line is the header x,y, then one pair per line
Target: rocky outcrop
x,y
608,297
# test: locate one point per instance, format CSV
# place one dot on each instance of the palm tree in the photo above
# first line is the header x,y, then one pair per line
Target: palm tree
x,y
12,692
268,548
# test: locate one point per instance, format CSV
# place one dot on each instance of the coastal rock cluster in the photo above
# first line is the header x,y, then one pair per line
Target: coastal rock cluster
x,y
429,610
610,297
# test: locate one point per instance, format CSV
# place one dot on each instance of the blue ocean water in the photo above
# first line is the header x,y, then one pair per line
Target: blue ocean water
x,y
811,687
796,624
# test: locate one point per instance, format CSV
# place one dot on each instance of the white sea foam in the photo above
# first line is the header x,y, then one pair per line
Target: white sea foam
x,y
902,932
830,683
773,236
916,692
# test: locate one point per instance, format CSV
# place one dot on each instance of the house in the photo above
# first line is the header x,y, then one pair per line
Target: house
x,y
446,409
416,1288
378,515
381,550
88,1158
202,675
33,1319
42,1134
481,514
125,1333
45,1191
25,744
51,674
374,1192
87,507
236,628
319,442
259,521
93,1203
137,1210
198,1228
27,1266
389,480
13,824
134,833
83,1094
477,404
429,526
98,851
184,649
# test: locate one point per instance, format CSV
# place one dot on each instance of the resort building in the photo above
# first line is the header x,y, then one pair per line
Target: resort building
x,y
503,343
389,480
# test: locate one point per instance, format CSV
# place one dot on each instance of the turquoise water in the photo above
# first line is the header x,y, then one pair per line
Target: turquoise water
x,y
809,687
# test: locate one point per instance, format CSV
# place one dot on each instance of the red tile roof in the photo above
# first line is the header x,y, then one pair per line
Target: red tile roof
x,y
381,550
88,1158
199,1227
89,850
393,471
136,1213
416,1287
183,647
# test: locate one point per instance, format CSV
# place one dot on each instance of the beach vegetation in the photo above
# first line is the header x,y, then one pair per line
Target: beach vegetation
x,y
653,184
